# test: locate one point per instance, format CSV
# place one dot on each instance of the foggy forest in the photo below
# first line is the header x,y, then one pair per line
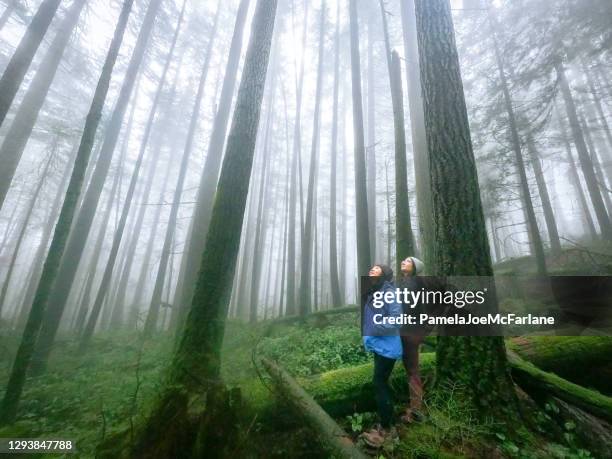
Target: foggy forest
x,y
191,190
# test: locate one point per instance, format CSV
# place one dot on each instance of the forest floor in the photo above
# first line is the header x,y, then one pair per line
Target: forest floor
x,y
89,398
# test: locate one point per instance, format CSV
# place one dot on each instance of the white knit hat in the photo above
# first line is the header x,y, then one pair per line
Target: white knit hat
x,y
419,266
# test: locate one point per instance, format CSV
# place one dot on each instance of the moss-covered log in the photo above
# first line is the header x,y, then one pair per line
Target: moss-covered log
x,y
331,434
538,382
581,359
349,390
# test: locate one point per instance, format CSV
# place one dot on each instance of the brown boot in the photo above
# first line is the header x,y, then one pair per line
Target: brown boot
x,y
377,436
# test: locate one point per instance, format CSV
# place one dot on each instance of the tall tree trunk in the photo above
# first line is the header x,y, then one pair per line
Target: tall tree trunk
x,y
116,317
404,246
41,251
532,223
24,227
461,245
82,225
361,196
371,136
333,249
10,402
153,314
22,57
601,180
196,359
549,215
21,127
575,178
583,155
417,128
305,303
208,181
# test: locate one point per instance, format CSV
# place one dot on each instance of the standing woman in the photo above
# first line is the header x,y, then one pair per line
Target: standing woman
x,y
382,339
412,336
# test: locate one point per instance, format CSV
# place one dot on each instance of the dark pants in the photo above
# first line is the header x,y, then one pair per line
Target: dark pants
x,y
411,344
384,401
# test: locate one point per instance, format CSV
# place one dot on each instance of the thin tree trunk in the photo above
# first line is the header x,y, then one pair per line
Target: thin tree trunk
x,y
153,314
305,302
371,145
210,174
22,57
25,117
601,180
82,226
333,250
24,227
6,14
532,223
12,395
361,196
459,229
41,251
549,215
583,155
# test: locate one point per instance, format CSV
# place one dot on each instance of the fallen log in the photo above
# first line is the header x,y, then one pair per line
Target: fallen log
x,y
349,390
330,433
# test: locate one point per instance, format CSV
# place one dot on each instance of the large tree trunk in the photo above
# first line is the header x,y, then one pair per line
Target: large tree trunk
x,y
196,362
461,245
305,296
417,125
21,127
10,402
337,299
370,150
583,155
22,57
361,195
208,181
82,225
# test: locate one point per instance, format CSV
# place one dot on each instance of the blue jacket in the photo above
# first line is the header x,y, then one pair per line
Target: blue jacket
x,y
383,339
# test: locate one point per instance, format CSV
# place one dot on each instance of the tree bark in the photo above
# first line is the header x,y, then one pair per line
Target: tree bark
x,y
461,245
370,149
361,195
22,57
10,402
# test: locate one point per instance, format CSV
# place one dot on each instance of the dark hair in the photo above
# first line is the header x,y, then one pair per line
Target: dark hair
x,y
387,272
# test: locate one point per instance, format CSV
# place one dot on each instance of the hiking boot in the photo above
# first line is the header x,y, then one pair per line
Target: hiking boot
x,y
377,436
410,416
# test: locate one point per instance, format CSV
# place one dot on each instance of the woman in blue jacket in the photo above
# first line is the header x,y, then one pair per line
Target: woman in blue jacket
x,y
383,340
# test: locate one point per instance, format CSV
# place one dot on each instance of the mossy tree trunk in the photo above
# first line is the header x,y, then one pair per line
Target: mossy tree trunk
x,y
461,247
194,371
10,402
